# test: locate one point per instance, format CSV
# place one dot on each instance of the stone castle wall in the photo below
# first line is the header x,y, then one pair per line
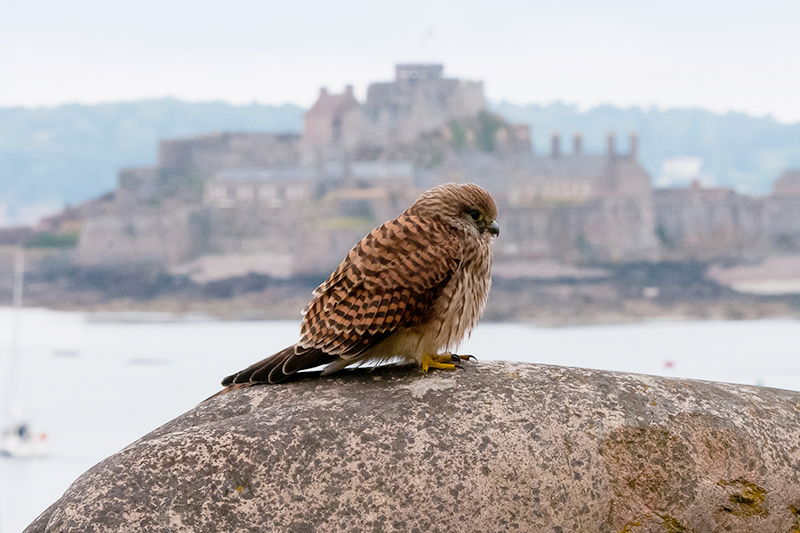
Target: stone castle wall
x,y
209,154
145,236
707,224
312,198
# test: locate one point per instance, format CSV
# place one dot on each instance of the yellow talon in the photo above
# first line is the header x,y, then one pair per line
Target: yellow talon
x,y
445,357
437,361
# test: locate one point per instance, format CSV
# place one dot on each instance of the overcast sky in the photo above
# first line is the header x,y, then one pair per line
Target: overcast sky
x,y
741,55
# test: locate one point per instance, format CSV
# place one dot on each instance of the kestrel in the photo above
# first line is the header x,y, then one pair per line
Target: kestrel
x,y
410,290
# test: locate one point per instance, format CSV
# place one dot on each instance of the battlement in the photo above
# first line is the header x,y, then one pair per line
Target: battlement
x,y
418,72
611,146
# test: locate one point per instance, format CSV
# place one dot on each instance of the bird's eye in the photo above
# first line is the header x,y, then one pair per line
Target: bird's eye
x,y
475,214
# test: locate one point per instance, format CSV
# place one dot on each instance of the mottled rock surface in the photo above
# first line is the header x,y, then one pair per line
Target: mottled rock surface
x,y
494,447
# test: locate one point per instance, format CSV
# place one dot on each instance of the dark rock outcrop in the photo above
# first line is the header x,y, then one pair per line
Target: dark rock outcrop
x,y
494,447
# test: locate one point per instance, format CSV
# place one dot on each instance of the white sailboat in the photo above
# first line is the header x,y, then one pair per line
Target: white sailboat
x,y
16,438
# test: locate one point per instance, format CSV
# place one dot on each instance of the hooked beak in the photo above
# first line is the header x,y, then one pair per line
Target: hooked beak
x,y
493,228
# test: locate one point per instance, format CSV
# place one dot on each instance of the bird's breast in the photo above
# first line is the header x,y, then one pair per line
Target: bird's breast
x,y
464,297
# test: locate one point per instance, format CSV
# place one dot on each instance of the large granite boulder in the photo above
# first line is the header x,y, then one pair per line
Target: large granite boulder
x,y
493,447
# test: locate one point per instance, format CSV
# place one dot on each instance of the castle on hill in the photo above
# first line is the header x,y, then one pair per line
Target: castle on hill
x,y
226,204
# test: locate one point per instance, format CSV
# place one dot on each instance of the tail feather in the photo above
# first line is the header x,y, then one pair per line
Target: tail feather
x,y
308,358
280,366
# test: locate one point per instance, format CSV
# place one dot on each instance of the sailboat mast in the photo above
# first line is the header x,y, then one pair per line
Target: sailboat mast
x,y
13,364
19,273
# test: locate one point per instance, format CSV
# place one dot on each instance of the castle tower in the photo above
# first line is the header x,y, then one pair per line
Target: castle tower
x,y
419,100
418,72
326,123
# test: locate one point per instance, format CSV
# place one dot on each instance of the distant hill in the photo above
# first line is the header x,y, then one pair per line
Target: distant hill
x,y
735,150
72,152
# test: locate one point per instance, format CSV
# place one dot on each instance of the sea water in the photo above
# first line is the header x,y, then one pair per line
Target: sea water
x,y
95,386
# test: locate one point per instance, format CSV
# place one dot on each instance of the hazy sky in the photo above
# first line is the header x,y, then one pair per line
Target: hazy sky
x,y
742,55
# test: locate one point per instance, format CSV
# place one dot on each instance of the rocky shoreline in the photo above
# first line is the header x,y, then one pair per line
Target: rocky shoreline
x,y
633,292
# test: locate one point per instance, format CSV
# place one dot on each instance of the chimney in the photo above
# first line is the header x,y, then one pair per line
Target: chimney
x,y
323,92
611,147
577,143
529,134
348,90
554,145
634,146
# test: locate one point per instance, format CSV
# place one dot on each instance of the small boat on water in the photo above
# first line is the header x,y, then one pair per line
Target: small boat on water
x,y
19,442
16,438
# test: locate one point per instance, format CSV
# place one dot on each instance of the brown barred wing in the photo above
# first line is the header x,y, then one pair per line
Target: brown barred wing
x,y
389,280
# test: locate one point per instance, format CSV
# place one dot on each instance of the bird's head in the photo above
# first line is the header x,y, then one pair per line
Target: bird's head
x,y
464,205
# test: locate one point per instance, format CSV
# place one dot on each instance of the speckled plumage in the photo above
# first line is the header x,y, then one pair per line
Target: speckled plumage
x,y
413,287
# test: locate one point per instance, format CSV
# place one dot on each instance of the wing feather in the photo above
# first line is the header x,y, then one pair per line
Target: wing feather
x,y
389,280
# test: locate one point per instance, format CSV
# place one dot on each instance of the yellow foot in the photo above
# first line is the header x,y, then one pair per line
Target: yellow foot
x,y
442,361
